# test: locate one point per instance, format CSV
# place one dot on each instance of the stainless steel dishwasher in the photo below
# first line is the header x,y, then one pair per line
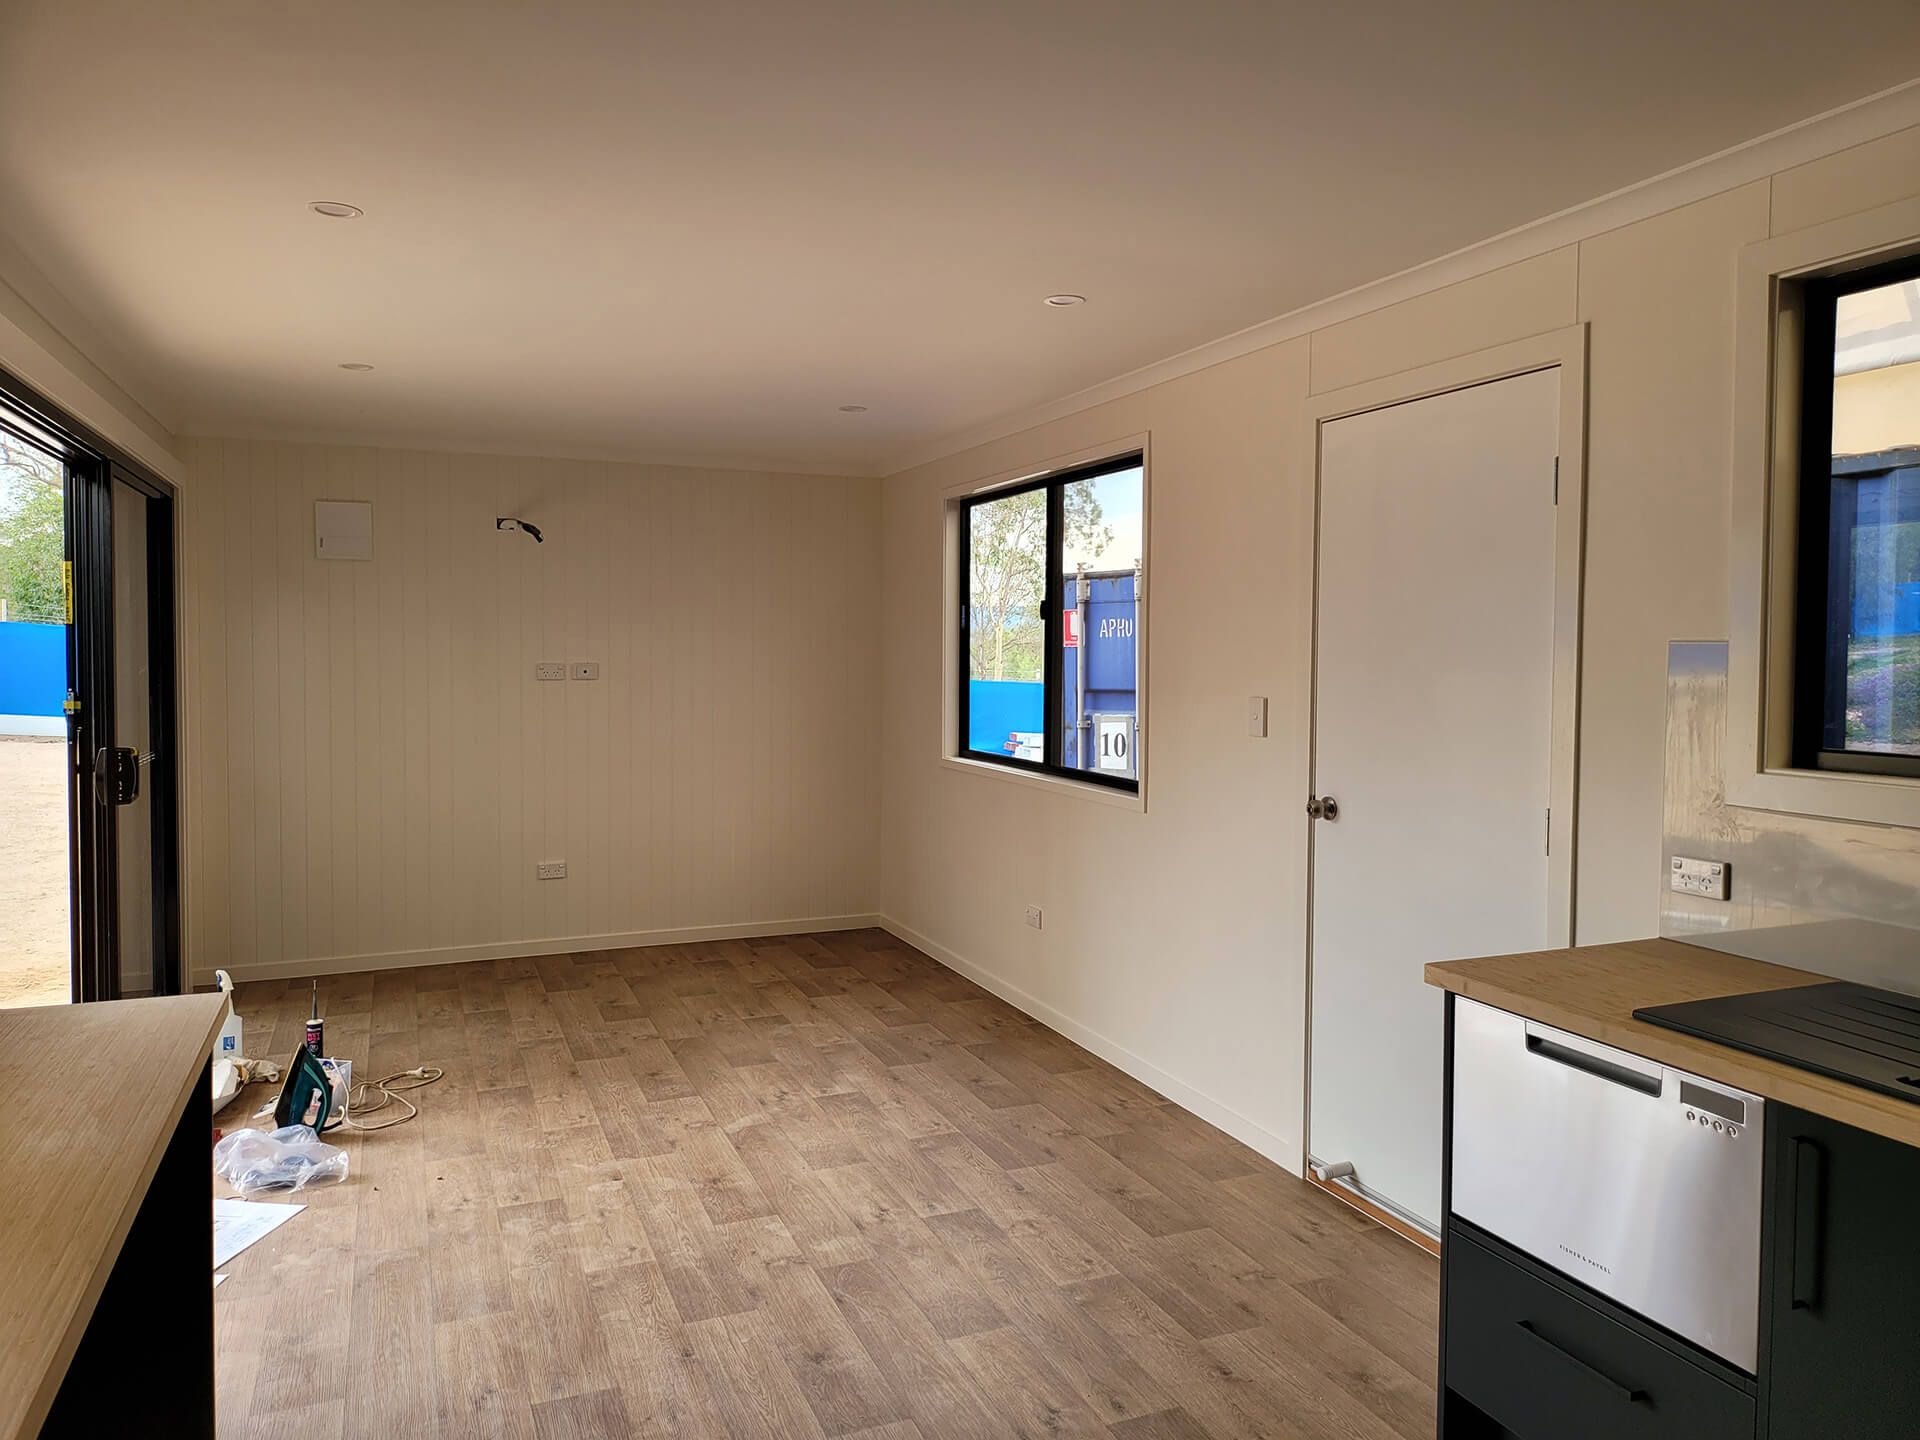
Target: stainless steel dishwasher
x,y
1636,1179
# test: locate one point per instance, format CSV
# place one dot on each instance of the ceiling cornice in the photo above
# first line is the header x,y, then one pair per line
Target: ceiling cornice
x,y
1871,118
97,400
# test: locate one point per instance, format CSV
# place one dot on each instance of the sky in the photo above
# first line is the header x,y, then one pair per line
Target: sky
x,y
1119,495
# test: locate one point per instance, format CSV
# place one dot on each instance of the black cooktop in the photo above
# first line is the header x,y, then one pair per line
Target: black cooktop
x,y
1852,1032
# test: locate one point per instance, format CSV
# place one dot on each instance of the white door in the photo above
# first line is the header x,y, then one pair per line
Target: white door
x,y
1432,730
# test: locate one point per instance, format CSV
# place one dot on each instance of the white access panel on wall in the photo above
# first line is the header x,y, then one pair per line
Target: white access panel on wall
x,y
343,529
1433,702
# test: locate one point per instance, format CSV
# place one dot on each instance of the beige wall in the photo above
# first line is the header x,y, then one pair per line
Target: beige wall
x,y
1174,937
375,771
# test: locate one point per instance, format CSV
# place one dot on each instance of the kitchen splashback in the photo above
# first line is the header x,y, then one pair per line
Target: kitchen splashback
x,y
1831,896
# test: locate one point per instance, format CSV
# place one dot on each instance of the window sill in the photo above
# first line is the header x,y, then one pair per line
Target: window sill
x,y
1056,784
1864,798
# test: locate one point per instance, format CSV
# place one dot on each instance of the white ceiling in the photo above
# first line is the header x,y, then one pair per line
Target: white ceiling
x,y
697,229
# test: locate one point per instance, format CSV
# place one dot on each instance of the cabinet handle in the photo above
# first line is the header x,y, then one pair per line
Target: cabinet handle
x,y
1809,1162
1606,1382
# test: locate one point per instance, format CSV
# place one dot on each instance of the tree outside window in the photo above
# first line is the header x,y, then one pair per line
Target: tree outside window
x,y
32,533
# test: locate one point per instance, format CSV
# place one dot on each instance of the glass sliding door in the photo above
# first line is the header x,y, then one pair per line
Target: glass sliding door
x,y
114,780
124,745
36,842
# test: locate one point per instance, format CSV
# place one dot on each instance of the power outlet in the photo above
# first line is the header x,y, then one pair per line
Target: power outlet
x,y
550,870
585,669
1033,916
550,670
1709,879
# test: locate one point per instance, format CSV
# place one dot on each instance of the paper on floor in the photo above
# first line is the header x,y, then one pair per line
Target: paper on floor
x,y
238,1223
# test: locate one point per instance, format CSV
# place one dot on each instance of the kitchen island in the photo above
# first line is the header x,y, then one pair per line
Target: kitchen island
x,y
1607,1208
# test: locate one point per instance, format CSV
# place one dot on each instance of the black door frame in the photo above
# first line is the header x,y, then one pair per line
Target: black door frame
x,y
94,464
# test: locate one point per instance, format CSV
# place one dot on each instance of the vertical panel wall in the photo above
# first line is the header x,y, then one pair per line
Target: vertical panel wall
x,y
1174,939
377,773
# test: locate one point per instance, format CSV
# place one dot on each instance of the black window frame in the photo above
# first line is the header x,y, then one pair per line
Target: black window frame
x,y
1054,669
1823,590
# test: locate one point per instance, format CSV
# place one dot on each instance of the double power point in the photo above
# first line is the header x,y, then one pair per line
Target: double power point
x,y
566,670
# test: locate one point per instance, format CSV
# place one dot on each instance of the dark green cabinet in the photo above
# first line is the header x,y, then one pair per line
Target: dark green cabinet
x,y
1840,1328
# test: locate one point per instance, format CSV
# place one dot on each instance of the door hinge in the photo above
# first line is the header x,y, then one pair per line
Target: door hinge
x,y
1556,479
1549,830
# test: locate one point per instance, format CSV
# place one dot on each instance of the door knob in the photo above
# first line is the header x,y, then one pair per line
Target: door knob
x,y
1322,807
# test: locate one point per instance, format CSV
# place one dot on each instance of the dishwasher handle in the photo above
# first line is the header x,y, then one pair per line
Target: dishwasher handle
x,y
1625,1394
1602,1067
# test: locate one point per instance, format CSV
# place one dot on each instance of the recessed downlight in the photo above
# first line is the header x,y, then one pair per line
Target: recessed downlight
x,y
356,365
852,409
1062,301
336,209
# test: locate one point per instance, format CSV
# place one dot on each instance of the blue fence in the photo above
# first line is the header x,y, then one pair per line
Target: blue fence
x,y
33,668
998,708
1878,614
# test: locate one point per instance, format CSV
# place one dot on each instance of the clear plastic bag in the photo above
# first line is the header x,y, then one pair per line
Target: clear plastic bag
x,y
257,1162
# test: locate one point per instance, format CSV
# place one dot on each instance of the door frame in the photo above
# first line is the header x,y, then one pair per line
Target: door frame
x,y
94,465
1563,349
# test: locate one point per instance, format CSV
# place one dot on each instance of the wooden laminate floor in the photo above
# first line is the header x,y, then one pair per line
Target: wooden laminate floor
x,y
815,1186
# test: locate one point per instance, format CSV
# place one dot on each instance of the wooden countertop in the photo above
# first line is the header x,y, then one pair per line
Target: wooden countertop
x,y
89,1098
1593,990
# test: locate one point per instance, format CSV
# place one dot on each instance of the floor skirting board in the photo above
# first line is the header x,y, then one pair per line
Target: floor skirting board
x,y
1277,1148
242,971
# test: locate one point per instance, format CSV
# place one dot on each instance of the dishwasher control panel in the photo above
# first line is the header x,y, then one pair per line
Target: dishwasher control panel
x,y
1718,1111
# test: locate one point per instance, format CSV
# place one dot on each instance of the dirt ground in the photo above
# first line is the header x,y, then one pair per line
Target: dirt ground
x,y
34,964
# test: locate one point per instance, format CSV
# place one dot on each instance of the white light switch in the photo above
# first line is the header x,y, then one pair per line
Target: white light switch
x,y
1257,716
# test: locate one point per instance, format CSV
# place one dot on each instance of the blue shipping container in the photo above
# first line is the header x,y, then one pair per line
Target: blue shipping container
x,y
1111,645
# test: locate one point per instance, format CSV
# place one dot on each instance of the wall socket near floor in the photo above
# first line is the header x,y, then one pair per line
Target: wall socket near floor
x,y
550,670
585,669
1712,879
550,870
1033,916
